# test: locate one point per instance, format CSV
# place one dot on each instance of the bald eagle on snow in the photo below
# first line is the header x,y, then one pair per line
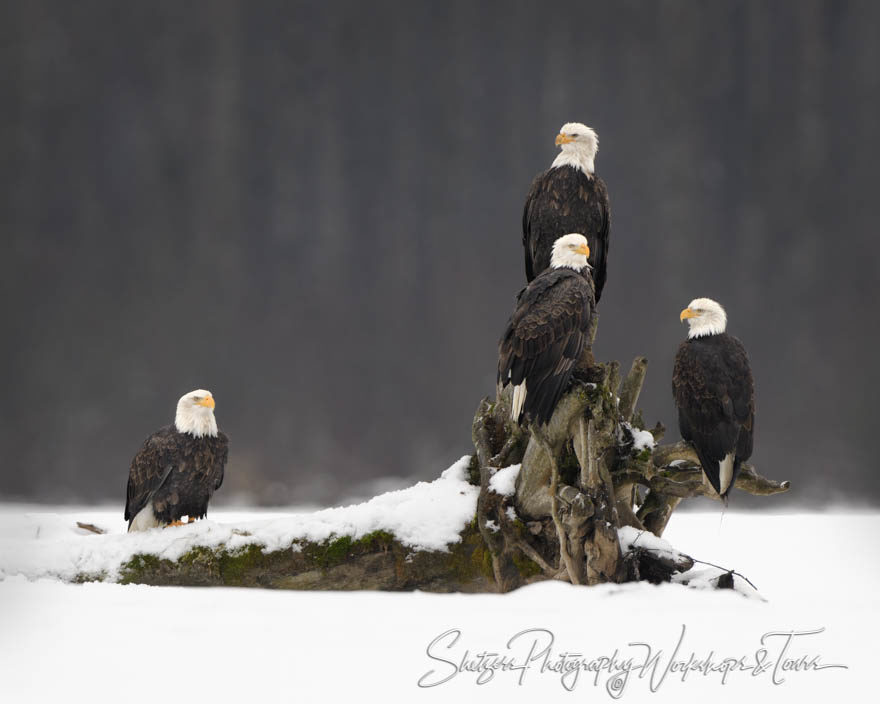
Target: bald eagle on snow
x,y
568,197
547,332
715,394
178,468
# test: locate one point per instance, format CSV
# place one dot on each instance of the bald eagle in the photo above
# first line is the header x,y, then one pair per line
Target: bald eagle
x,y
178,468
568,197
715,394
547,332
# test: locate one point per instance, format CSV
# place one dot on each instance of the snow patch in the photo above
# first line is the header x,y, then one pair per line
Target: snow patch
x,y
504,480
642,439
700,576
706,577
630,538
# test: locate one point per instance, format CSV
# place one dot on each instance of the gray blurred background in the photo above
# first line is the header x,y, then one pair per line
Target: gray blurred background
x,y
314,211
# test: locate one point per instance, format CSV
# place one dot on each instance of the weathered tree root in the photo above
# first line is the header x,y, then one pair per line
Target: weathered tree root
x,y
506,539
562,535
581,480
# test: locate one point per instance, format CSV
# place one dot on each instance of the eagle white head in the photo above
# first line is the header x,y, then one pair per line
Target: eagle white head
x,y
705,317
195,414
579,144
571,251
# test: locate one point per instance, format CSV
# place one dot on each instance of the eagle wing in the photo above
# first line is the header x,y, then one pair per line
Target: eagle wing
x,y
599,247
544,339
220,459
527,226
149,468
560,201
741,391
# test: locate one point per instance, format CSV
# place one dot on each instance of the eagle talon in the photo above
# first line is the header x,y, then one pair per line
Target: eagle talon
x,y
175,523
192,519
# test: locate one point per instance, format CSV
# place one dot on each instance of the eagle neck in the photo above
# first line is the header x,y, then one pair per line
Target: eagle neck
x,y
708,328
198,425
578,159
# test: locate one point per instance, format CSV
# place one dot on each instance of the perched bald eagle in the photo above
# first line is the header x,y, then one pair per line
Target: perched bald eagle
x,y
715,394
178,468
568,197
547,332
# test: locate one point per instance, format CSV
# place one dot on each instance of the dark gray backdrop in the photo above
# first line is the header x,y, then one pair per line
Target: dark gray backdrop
x,y
314,211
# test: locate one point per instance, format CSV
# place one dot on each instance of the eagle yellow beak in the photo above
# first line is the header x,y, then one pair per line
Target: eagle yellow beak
x,y
583,249
687,313
563,139
207,402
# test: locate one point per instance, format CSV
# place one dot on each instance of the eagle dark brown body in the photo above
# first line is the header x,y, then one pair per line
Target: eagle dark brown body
x,y
715,394
564,199
177,473
545,337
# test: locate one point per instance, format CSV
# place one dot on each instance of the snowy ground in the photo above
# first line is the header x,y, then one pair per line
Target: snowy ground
x,y
104,642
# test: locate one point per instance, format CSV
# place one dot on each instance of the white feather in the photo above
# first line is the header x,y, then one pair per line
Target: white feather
x,y
580,153
195,419
519,399
565,254
725,472
711,320
144,520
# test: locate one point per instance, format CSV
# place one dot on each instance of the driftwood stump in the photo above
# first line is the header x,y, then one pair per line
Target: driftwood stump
x,y
582,479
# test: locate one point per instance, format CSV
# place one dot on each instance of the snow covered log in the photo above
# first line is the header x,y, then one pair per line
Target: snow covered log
x,y
421,537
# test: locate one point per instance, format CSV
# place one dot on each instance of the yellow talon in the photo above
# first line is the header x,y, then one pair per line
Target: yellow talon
x,y
175,523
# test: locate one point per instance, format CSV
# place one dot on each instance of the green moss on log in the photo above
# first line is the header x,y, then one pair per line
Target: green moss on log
x,y
526,567
473,471
644,455
374,561
85,577
336,551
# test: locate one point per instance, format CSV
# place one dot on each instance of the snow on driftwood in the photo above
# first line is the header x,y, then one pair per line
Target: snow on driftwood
x,y
699,576
427,516
712,577
504,480
641,439
630,537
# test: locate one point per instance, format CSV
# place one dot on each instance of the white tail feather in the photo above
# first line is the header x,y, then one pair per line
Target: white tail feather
x,y
144,520
725,472
519,399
